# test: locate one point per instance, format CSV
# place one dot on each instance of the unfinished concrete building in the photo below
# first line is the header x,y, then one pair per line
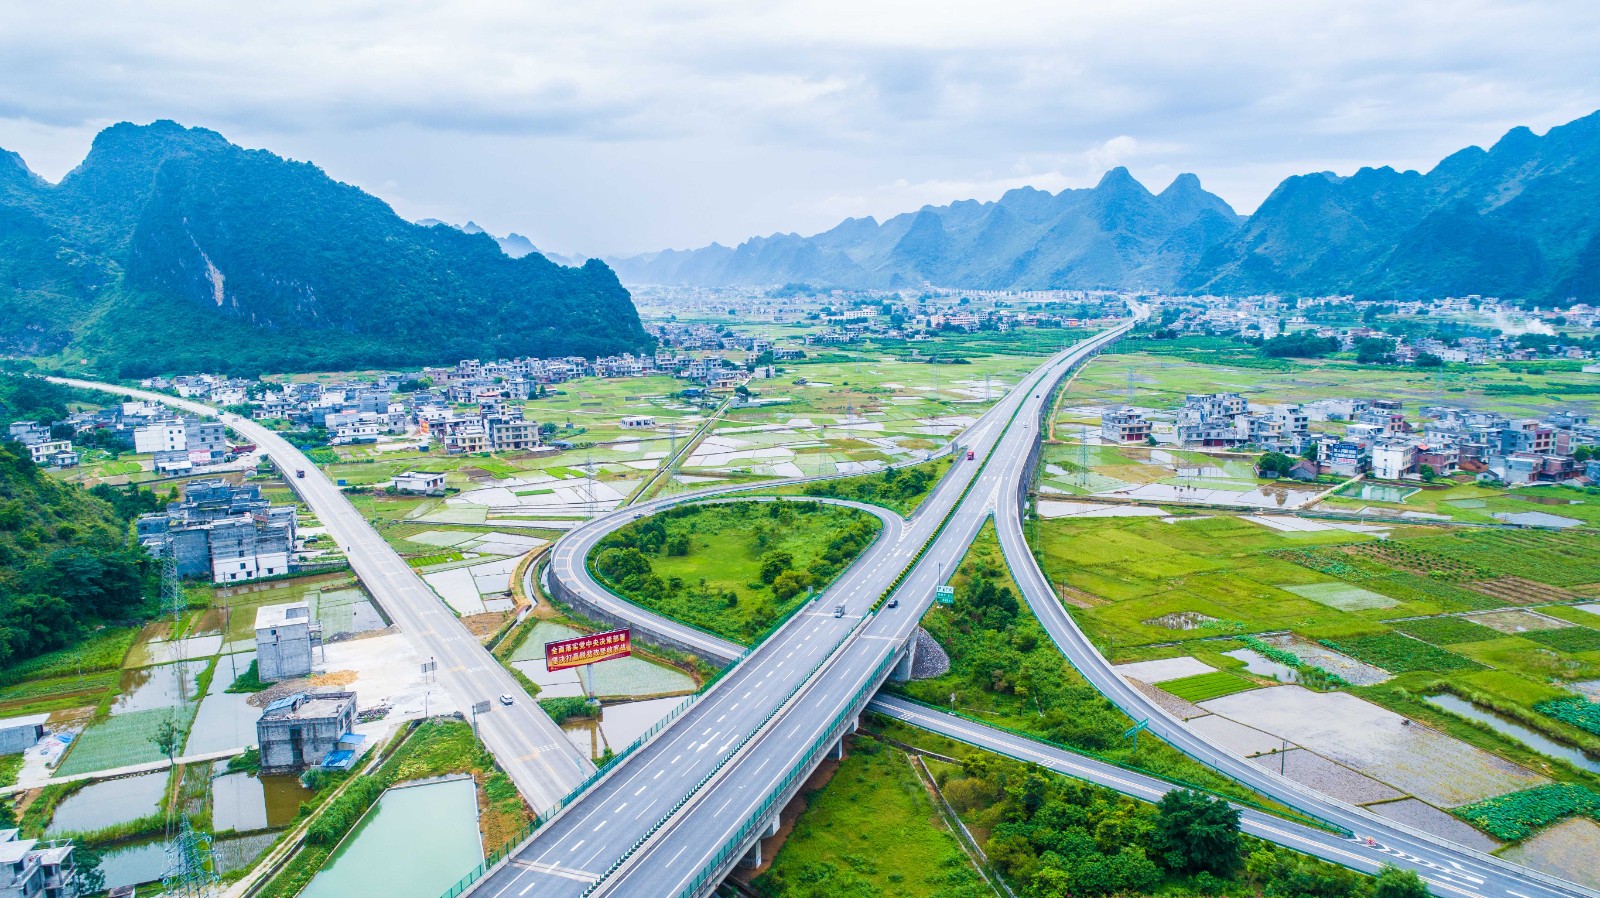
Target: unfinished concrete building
x,y
305,728
285,638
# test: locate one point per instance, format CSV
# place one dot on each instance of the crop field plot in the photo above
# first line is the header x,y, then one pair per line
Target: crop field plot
x,y
1447,630
1557,559
1203,687
1342,596
1521,814
1516,621
122,739
1567,639
1166,370
1397,653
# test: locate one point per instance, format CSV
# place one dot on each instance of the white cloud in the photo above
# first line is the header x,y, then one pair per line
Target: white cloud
x,y
608,126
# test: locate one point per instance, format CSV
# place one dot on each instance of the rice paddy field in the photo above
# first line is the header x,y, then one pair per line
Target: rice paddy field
x,y
1163,371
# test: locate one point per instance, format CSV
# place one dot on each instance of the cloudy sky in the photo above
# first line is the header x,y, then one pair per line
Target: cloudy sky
x,y
606,127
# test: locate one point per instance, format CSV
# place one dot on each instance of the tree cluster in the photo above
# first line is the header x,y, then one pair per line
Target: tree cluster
x,y
67,561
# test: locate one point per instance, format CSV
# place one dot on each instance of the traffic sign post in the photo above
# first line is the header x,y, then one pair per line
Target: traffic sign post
x,y
478,708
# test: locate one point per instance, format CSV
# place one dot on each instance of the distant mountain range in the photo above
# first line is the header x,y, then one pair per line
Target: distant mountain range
x,y
1520,221
513,244
171,249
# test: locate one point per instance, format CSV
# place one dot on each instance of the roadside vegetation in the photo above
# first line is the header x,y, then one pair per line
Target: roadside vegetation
x,y
1005,670
897,489
875,830
732,568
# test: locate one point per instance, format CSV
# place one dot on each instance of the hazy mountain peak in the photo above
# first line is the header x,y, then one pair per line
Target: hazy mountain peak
x,y
1120,178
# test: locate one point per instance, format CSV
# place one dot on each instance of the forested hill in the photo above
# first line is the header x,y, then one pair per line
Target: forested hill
x,y
67,562
1520,220
171,249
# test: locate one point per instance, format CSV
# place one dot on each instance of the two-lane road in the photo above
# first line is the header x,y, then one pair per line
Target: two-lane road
x,y
543,763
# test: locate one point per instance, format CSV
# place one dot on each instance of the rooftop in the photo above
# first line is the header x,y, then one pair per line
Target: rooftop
x,y
308,706
269,616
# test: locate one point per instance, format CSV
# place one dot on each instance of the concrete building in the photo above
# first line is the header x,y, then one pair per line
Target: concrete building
x,y
418,482
224,532
18,734
167,435
285,635
1124,425
1393,459
638,422
303,729
31,869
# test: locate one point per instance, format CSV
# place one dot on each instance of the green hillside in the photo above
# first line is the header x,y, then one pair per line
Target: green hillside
x,y
171,249
67,562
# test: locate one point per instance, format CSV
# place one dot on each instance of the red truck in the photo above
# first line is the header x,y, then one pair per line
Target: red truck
x,y
970,455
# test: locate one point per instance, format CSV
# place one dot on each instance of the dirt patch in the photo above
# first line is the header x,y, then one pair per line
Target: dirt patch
x,y
337,679
334,679
1517,591
1181,620
1333,780
1077,598
486,624
476,474
1516,621
771,845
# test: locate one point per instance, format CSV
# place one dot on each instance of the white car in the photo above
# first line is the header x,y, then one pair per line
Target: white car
x,y
506,699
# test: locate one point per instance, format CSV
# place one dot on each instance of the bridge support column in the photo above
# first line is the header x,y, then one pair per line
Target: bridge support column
x,y
772,828
752,858
908,659
837,752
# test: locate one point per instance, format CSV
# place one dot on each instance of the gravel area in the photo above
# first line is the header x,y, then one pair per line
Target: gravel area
x,y
1333,780
1567,850
1431,820
1237,738
931,660
1516,621
1164,669
1386,746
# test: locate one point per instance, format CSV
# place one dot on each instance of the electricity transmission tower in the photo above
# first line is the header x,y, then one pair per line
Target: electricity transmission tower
x,y
191,870
173,601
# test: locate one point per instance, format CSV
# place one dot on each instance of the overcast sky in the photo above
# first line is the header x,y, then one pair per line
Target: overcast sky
x,y
603,127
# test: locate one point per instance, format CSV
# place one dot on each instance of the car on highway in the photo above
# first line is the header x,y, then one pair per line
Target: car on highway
x,y
894,603
506,699
300,474
839,611
971,455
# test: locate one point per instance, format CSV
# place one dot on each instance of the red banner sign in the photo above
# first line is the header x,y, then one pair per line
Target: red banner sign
x,y
587,649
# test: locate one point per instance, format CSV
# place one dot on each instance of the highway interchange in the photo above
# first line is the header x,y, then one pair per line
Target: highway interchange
x,y
680,811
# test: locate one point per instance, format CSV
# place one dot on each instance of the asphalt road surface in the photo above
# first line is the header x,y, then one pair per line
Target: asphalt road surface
x,y
540,759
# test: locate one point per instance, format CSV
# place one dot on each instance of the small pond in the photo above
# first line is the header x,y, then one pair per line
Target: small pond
x,y
1537,741
1377,492
244,802
132,865
108,803
416,843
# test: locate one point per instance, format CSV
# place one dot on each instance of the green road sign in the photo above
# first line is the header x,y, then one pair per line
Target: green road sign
x,y
944,595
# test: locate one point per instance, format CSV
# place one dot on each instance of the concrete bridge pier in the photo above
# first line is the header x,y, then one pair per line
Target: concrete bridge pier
x,y
908,659
752,858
